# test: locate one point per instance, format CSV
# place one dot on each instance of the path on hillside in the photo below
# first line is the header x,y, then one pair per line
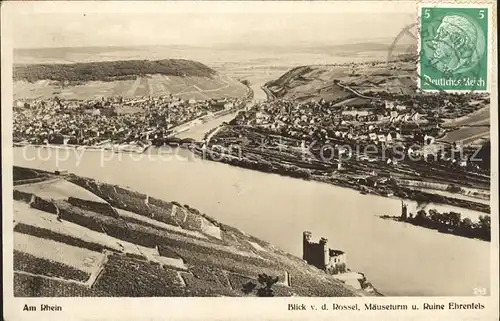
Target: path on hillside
x,y
354,91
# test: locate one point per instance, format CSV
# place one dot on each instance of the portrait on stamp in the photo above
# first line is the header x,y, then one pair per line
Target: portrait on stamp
x,y
454,48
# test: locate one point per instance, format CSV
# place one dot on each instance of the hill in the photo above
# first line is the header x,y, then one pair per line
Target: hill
x,y
129,78
110,70
344,81
75,236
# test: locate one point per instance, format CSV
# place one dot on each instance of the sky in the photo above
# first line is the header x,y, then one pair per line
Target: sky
x,y
207,23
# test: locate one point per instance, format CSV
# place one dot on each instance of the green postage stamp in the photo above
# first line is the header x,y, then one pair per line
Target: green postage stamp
x,y
453,47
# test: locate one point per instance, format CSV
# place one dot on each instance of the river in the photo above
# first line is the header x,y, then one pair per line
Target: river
x,y
399,259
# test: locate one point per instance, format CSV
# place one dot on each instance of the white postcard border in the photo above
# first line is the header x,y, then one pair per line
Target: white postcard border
x,y
214,308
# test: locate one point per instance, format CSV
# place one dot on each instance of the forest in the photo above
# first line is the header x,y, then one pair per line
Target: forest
x,y
110,70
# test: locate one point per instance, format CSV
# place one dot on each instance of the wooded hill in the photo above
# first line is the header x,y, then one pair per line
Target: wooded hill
x,y
110,70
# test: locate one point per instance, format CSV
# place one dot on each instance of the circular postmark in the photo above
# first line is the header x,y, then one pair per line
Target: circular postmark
x,y
405,45
447,52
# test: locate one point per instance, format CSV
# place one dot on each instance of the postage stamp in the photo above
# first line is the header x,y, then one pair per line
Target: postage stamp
x,y
453,48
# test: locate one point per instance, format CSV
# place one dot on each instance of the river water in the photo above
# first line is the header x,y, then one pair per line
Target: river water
x,y
399,259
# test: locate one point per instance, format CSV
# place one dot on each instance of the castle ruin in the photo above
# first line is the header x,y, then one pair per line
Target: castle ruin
x,y
319,255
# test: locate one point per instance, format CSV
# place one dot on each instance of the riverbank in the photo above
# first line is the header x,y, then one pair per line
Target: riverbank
x,y
291,169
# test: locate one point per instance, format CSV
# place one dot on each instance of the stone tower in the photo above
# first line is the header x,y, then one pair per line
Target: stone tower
x,y
325,258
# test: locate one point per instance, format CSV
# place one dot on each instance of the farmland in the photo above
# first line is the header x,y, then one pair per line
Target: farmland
x,y
481,117
85,81
468,135
199,88
58,189
78,261
318,81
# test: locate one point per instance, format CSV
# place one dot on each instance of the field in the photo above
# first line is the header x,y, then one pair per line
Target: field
x,y
199,88
477,118
24,214
133,217
78,258
467,135
59,189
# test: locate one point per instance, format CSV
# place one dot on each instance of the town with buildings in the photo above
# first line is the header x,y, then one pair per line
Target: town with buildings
x,y
138,121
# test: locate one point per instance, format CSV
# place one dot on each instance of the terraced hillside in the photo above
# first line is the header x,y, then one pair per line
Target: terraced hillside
x,y
75,236
184,78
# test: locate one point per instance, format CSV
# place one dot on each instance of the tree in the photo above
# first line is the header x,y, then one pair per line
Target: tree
x,y
248,287
454,219
467,224
484,222
266,282
421,216
434,215
484,227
